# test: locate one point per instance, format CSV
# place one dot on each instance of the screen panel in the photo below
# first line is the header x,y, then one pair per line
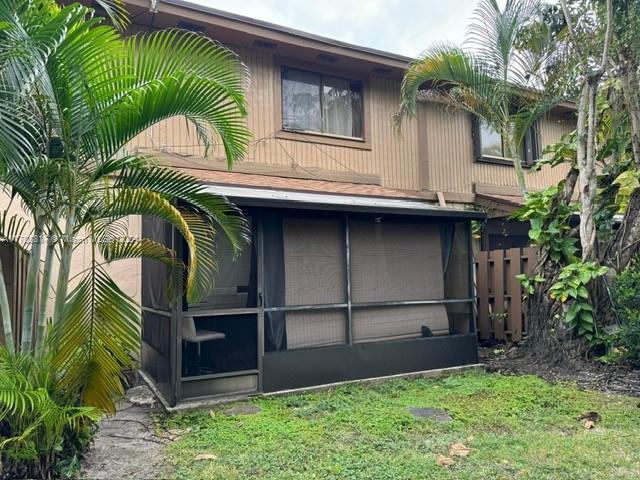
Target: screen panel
x,y
395,261
396,322
313,261
155,275
316,328
235,277
457,262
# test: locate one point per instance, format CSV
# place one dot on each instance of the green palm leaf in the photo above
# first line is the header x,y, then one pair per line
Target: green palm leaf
x,y
192,194
100,330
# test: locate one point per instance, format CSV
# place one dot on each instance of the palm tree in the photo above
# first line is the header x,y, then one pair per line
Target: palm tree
x,y
498,77
73,93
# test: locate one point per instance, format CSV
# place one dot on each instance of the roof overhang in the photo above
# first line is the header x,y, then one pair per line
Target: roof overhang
x,y
257,197
233,29
499,205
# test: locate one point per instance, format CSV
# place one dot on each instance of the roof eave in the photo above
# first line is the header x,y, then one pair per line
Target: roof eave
x,y
347,49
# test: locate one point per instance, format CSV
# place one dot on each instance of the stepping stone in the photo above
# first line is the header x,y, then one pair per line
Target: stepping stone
x,y
140,395
242,410
430,413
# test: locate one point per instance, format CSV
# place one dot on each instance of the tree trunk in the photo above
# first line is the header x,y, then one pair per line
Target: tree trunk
x,y
44,289
630,86
626,242
517,164
547,339
62,284
586,163
33,271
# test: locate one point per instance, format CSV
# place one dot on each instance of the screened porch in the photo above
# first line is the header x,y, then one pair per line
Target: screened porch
x,y
319,296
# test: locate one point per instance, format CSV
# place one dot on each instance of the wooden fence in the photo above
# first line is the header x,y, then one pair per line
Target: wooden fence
x,y
14,266
499,294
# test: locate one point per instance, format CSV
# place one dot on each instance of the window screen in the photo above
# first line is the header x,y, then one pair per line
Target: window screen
x,y
321,103
234,279
314,274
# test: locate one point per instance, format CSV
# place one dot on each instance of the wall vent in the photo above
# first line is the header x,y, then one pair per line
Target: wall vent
x,y
323,57
264,44
193,27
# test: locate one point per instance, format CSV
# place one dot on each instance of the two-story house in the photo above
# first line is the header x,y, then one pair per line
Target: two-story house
x,y
361,260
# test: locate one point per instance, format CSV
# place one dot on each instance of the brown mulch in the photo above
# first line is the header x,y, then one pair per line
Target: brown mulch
x,y
587,375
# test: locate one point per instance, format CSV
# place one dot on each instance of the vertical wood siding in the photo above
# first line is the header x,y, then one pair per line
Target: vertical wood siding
x,y
433,152
447,158
393,157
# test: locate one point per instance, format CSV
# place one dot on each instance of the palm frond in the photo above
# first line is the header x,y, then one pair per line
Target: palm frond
x,y
13,229
493,35
116,11
29,407
172,73
99,332
132,201
201,272
192,194
442,69
115,249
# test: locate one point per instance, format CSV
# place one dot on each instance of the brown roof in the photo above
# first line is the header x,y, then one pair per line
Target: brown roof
x,y
501,205
296,184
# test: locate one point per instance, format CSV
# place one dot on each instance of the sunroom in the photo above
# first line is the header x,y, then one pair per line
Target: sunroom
x,y
333,288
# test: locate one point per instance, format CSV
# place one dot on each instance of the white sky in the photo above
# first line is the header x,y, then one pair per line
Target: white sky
x,y
399,26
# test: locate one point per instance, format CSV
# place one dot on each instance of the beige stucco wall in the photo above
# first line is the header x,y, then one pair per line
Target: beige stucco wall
x,y
126,272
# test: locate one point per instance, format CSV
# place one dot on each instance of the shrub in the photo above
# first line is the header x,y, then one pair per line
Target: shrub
x,y
40,427
626,296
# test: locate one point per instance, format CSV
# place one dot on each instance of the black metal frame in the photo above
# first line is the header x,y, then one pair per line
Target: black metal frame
x,y
314,365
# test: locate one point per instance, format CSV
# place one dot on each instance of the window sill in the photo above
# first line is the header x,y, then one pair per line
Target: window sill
x,y
324,139
500,161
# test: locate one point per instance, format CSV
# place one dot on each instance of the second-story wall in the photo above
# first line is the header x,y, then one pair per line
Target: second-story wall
x,y
387,158
432,153
447,158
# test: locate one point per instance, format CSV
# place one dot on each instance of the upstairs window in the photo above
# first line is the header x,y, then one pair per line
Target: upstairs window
x,y
491,146
319,103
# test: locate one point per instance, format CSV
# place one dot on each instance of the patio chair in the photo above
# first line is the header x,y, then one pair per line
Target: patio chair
x,y
198,335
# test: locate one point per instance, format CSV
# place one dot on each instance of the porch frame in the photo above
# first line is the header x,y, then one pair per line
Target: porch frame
x,y
427,352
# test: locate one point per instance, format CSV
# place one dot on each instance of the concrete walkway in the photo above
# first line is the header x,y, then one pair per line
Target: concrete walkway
x,y
126,446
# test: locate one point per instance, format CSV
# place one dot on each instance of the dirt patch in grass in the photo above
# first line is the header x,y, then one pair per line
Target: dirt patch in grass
x,y
587,375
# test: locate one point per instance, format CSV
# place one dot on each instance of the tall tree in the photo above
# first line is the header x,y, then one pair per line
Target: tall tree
x,y
594,62
571,299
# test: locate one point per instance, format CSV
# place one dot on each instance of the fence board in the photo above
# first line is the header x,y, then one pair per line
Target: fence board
x,y
515,294
484,327
499,291
497,288
529,259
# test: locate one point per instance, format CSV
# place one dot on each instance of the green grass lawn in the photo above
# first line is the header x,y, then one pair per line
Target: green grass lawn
x,y
517,427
